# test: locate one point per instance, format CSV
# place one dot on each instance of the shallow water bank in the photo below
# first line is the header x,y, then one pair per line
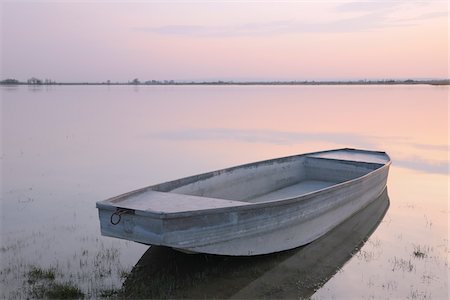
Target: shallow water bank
x,y
66,147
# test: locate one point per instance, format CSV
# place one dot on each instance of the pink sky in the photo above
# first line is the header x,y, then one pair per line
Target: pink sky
x,y
303,40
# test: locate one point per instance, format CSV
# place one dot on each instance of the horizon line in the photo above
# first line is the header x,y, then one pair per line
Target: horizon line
x,y
36,81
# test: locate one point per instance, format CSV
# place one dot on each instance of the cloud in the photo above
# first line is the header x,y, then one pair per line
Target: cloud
x,y
427,16
387,9
248,29
366,22
349,17
367,6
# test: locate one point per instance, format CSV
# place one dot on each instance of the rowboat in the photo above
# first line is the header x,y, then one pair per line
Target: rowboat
x,y
257,208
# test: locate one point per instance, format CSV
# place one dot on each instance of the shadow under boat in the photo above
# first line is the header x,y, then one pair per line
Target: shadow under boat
x,y
166,273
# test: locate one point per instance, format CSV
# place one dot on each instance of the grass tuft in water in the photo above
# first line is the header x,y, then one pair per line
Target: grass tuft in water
x,y
43,285
419,254
64,290
109,293
421,251
402,264
37,273
57,291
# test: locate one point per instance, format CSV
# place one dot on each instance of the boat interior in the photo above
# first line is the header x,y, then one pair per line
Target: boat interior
x,y
280,178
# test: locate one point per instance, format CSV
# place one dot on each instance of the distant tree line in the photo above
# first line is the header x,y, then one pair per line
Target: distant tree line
x,y
30,81
34,80
10,81
136,81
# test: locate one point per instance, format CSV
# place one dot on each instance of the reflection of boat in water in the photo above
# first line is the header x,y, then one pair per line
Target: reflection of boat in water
x,y
165,273
252,209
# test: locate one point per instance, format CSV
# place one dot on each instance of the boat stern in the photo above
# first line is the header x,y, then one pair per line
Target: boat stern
x,y
129,224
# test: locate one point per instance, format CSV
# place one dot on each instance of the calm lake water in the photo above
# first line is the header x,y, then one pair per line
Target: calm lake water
x,y
66,147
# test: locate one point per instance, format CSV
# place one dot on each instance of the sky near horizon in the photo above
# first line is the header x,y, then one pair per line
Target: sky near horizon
x,y
224,40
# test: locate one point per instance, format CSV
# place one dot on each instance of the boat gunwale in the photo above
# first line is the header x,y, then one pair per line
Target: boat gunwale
x,y
106,204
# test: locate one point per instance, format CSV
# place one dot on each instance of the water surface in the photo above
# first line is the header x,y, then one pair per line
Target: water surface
x,y
66,147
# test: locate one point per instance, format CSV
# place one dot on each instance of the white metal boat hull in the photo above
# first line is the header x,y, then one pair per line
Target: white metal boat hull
x,y
243,226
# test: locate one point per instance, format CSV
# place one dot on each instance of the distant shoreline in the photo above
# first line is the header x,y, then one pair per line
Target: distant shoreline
x,y
11,82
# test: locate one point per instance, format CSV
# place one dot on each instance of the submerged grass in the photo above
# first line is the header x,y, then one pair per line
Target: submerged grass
x,y
64,290
421,251
419,254
43,285
37,273
109,293
90,272
55,290
402,264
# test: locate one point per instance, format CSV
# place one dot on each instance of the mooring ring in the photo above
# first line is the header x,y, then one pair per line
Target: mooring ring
x,y
119,212
116,213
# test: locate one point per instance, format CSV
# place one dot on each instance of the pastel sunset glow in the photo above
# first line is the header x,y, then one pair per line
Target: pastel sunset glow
x,y
299,40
